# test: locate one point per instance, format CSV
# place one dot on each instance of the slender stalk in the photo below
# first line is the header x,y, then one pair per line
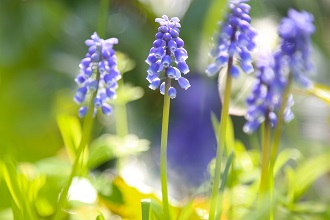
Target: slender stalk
x,y
264,182
221,142
85,137
264,195
276,139
103,17
121,125
88,121
163,149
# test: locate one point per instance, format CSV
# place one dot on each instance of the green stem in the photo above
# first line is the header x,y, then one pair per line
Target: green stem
x,y
221,142
276,139
85,137
103,17
264,184
163,149
88,121
264,181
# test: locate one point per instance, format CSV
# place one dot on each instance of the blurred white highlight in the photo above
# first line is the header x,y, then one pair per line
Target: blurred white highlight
x,y
82,190
171,8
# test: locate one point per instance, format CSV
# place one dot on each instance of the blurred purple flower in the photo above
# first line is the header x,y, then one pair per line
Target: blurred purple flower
x,y
98,72
236,38
265,98
295,46
274,70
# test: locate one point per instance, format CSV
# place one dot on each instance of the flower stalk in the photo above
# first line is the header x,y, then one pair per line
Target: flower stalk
x,y
221,145
163,149
85,138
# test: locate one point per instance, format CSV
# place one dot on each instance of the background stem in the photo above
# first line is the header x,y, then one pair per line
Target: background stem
x,y
85,138
121,115
103,17
264,194
276,140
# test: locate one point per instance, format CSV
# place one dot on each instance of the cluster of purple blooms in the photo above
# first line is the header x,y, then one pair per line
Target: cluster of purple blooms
x,y
265,98
236,37
98,72
167,49
292,60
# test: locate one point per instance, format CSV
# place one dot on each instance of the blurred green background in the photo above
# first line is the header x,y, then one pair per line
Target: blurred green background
x,y
42,42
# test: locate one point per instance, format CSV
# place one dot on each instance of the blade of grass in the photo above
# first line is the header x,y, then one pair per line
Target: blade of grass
x,y
224,178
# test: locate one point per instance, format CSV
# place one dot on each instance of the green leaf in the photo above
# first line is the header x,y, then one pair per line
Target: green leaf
x,y
310,207
284,156
23,184
107,190
224,176
308,172
109,147
127,93
71,133
8,172
321,91
214,14
156,209
100,217
131,208
124,63
145,205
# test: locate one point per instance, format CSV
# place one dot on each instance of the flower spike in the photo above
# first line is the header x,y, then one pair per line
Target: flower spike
x,y
167,50
98,72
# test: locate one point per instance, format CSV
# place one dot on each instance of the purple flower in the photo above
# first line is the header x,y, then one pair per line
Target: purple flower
x,y
265,98
292,60
167,49
98,72
295,46
235,40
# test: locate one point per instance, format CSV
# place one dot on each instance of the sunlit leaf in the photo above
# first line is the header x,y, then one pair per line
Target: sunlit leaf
x,y
127,93
284,156
23,184
54,167
109,147
310,207
100,217
71,133
214,14
107,190
321,91
145,205
310,170
124,63
131,209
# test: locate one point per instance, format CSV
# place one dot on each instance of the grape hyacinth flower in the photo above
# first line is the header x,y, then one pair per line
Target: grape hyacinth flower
x,y
236,38
98,72
167,49
265,99
295,46
291,61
